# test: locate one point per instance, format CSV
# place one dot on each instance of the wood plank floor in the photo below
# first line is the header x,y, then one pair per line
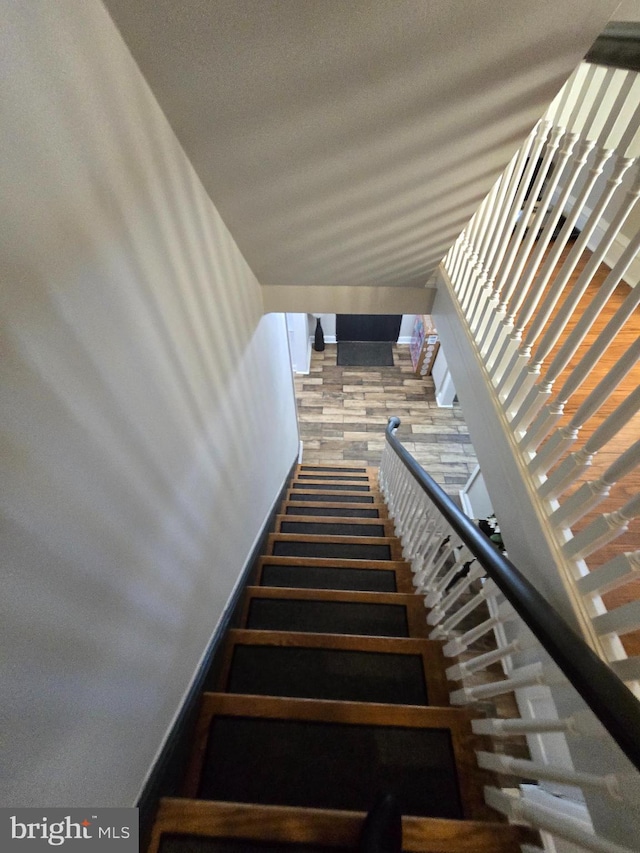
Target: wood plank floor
x,y
343,413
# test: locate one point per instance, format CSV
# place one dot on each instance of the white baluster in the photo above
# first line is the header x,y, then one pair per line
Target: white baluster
x,y
438,612
508,248
529,678
471,255
483,237
521,810
577,335
618,129
617,572
498,763
433,533
438,589
425,582
580,724
460,249
459,645
480,662
534,289
514,294
576,463
511,205
443,631
501,207
590,494
619,621
604,529
592,356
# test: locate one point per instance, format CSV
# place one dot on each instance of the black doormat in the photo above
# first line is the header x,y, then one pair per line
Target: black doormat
x,y
365,354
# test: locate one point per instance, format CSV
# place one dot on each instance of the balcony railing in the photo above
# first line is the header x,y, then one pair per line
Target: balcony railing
x,y
586,739
545,280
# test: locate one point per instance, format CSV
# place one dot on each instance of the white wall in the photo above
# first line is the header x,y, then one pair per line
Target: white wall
x,y
147,413
406,328
299,330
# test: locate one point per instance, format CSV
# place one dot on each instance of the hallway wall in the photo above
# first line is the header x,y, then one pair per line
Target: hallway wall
x,y
141,390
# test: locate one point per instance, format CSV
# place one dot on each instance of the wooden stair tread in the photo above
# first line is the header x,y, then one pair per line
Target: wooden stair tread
x,y
455,719
401,572
401,645
335,595
244,718
414,607
429,652
455,722
324,827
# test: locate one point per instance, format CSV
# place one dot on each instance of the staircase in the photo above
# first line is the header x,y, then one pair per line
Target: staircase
x,y
329,696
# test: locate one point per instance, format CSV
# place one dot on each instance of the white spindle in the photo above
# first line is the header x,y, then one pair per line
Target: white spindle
x,y
521,810
621,620
617,572
480,662
523,242
459,645
487,250
439,611
511,206
498,763
439,561
471,255
439,588
482,240
591,493
604,529
577,335
580,724
576,463
531,289
538,395
506,252
529,678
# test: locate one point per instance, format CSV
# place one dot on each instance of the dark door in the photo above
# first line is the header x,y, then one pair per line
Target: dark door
x,y
368,327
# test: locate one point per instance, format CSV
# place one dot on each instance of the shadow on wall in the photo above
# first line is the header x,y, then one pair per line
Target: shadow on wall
x,y
148,416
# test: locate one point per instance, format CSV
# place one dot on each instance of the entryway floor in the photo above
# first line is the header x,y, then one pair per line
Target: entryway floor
x,y
343,412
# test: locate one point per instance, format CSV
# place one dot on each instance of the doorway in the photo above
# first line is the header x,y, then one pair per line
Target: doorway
x,y
368,327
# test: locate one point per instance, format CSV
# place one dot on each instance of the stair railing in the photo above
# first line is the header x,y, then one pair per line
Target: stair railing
x,y
581,723
521,279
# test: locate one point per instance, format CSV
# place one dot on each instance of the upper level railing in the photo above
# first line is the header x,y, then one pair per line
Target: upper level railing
x,y
473,592
545,276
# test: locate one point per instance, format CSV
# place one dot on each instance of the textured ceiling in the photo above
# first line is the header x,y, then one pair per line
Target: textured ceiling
x,y
347,142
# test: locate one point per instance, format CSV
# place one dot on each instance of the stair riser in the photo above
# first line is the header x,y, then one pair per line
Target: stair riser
x,y
311,577
334,527
333,511
331,497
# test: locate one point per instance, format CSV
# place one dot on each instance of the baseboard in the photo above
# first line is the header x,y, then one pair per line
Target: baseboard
x,y
165,777
328,339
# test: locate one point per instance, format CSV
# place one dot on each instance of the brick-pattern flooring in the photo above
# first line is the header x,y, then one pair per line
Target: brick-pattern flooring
x,y
343,412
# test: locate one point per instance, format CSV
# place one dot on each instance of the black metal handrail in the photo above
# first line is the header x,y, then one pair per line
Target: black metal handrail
x,y
608,697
